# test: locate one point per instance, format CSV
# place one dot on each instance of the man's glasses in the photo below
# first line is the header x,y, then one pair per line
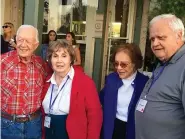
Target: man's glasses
x,y
121,64
5,26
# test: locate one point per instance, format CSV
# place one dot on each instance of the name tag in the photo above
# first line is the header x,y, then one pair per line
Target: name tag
x,y
47,121
141,105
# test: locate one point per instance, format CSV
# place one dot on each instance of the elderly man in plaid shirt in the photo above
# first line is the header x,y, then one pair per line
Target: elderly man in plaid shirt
x,y
22,78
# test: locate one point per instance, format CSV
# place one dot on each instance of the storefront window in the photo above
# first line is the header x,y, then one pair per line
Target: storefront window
x,y
119,19
45,20
64,16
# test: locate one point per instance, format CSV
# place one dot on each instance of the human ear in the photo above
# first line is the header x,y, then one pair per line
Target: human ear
x,y
179,35
36,45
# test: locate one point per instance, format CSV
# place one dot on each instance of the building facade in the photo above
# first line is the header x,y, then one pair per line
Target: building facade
x,y
99,26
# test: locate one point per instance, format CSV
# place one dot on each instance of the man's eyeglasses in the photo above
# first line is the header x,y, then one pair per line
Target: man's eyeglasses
x,y
121,64
5,26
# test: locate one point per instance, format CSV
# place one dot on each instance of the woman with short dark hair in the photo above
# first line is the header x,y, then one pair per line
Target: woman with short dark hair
x,y
121,92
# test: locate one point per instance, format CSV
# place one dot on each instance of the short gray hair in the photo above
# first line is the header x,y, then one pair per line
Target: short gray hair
x,y
29,26
174,22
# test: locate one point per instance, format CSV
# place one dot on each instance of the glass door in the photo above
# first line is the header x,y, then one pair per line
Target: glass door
x,y
121,19
76,16
64,16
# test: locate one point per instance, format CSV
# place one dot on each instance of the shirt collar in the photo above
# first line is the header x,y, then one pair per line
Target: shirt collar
x,y
70,74
175,57
130,79
178,54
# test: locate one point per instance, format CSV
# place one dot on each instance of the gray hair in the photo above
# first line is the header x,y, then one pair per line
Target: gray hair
x,y
174,22
29,26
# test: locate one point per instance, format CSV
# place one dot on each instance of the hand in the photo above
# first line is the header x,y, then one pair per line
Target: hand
x,y
12,43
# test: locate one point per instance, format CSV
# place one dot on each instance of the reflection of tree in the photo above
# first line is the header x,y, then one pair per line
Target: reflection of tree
x,y
46,4
79,11
45,20
79,15
65,24
123,29
121,15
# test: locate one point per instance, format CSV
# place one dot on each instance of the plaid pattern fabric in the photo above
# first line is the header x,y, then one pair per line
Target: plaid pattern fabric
x,y
21,84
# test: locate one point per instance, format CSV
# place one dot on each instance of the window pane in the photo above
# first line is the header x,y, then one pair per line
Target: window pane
x,y
45,20
119,19
79,18
64,16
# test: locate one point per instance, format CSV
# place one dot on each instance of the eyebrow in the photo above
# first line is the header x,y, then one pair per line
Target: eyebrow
x,y
32,39
64,52
123,61
158,36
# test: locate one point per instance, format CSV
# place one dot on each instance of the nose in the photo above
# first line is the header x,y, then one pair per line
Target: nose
x,y
24,43
155,42
59,59
119,67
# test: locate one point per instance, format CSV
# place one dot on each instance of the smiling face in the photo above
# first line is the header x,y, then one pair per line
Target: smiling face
x,y
26,42
61,61
123,65
164,41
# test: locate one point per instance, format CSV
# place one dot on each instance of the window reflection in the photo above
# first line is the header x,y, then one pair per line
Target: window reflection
x,y
119,19
64,16
45,20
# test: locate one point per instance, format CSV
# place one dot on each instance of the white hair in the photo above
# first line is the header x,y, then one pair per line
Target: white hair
x,y
174,22
29,26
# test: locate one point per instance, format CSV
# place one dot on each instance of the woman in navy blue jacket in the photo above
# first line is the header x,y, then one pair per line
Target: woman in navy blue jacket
x,y
121,92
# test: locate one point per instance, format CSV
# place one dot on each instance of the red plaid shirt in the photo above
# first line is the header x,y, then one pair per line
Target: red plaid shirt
x,y
21,84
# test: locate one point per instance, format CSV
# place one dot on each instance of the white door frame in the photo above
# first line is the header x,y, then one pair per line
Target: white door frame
x,y
90,39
